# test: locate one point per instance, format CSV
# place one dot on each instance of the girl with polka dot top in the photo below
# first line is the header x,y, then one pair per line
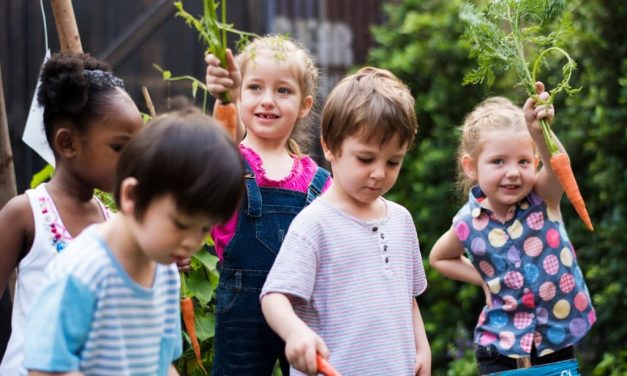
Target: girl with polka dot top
x,y
510,239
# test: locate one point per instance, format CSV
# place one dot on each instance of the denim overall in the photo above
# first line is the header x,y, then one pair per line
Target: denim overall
x,y
244,343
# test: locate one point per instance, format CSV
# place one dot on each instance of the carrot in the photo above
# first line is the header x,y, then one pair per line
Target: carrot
x,y
560,164
226,113
325,368
187,308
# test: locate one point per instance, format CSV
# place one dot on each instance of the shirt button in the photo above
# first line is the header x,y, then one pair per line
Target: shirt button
x,y
382,236
385,248
387,260
374,229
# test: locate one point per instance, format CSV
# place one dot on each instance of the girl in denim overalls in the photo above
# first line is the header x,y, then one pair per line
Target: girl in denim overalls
x,y
274,93
511,229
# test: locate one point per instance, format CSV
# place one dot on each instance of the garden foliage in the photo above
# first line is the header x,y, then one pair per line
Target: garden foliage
x,y
422,43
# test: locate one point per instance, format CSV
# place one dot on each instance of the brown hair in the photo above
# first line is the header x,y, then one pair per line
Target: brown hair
x,y
186,154
495,113
303,67
373,102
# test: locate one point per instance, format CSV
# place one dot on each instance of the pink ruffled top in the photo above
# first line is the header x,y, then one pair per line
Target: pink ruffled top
x,y
299,178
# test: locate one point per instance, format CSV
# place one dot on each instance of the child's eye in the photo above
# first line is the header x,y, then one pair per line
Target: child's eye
x,y
180,225
284,90
254,87
497,161
525,162
117,147
364,160
393,163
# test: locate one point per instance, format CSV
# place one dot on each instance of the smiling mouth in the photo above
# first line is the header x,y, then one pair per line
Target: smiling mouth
x,y
267,116
510,187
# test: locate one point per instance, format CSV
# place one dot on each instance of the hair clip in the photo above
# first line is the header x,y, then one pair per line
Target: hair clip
x,y
103,79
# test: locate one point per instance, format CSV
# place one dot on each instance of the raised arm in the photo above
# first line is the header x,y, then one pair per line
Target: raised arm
x,y
16,220
301,343
547,184
220,80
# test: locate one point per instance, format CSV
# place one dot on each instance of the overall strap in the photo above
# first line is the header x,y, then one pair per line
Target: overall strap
x,y
252,192
317,184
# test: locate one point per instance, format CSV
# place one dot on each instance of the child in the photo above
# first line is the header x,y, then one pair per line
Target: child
x,y
517,248
274,92
88,118
350,267
112,306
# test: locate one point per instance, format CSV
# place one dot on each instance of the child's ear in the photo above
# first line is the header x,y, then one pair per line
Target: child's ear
x,y
128,195
328,154
469,167
65,142
305,108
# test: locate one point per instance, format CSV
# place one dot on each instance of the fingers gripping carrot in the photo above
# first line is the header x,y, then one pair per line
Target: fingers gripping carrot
x,y
187,308
560,163
226,114
325,368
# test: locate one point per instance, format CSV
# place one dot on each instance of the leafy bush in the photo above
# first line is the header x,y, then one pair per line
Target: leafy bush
x,y
421,43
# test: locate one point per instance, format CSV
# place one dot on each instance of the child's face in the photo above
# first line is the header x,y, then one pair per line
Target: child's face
x,y
167,235
99,149
271,100
505,169
364,171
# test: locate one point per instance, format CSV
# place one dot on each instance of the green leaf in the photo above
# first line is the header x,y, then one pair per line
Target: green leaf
x,y
198,287
42,176
208,260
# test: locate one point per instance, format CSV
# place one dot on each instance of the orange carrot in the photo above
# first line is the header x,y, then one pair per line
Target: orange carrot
x,y
226,113
187,308
564,173
325,368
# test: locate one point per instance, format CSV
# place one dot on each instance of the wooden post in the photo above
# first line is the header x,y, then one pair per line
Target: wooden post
x,y
65,20
8,187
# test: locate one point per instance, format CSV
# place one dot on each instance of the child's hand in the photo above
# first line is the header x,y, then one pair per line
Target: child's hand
x,y
535,110
301,347
219,80
423,363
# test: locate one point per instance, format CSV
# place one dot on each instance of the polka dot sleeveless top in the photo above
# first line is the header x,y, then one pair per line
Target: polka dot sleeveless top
x,y
539,296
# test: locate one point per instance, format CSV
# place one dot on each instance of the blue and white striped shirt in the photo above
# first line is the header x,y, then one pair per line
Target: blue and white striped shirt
x,y
94,318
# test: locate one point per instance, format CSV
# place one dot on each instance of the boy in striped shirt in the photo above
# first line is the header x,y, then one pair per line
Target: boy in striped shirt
x,y
346,277
112,306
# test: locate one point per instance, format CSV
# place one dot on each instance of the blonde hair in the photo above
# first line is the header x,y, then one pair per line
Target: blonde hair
x,y
373,102
495,113
302,64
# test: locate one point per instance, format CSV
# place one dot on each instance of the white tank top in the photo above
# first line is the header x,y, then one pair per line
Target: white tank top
x,y
51,237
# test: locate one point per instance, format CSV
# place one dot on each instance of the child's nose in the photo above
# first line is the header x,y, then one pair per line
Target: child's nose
x,y
378,173
267,99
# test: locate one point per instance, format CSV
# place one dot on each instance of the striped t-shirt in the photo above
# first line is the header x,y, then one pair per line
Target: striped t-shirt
x,y
353,282
94,318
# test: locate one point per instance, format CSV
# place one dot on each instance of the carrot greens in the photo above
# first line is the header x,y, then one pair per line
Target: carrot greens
x,y
505,36
213,32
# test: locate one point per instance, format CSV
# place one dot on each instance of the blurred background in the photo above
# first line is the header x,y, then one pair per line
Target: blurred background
x,y
420,41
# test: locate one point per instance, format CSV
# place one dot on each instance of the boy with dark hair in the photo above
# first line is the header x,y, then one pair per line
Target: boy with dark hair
x,y
112,306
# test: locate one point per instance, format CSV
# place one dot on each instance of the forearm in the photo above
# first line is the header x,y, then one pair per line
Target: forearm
x,y
280,315
459,269
422,342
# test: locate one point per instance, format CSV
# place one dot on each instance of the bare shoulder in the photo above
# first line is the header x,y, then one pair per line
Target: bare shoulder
x,y
17,216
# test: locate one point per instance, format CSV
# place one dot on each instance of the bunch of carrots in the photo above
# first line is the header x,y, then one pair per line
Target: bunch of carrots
x,y
501,35
213,32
